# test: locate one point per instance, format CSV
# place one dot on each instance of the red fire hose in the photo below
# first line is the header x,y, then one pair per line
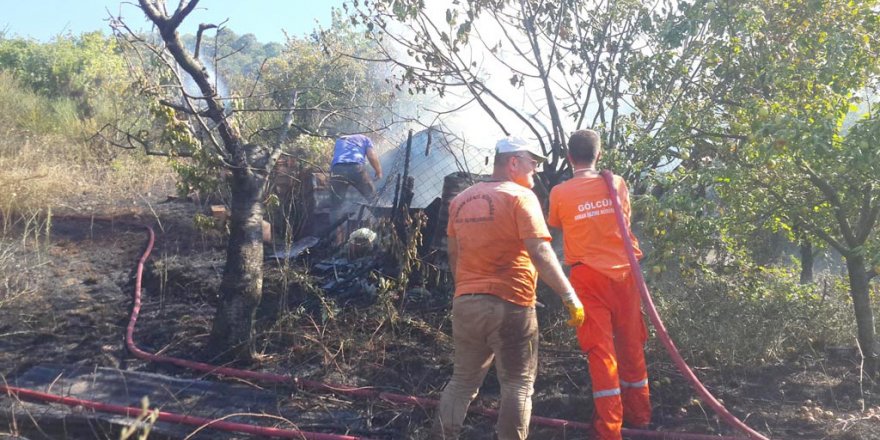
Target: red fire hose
x,y
658,323
167,416
180,419
366,392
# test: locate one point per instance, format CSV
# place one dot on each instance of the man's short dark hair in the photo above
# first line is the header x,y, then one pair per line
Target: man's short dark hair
x,y
502,158
583,146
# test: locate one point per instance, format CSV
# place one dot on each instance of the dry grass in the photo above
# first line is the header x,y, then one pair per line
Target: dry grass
x,y
47,167
47,161
13,284
41,176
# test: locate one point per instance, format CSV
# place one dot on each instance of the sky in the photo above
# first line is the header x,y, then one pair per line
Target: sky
x,y
44,19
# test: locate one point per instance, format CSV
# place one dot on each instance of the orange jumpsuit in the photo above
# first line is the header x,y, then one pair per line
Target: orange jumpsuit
x,y
614,332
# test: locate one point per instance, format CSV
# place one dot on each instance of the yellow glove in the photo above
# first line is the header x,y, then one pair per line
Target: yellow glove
x,y
575,309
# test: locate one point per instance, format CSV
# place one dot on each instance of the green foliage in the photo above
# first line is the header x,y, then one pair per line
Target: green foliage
x,y
570,65
791,75
765,134
175,134
311,152
205,224
342,93
199,175
88,67
199,171
753,316
681,226
238,57
331,91
24,110
71,86
730,120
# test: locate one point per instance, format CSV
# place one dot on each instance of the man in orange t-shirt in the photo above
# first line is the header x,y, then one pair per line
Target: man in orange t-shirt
x,y
614,333
498,244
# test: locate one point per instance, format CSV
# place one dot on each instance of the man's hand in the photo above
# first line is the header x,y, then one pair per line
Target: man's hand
x,y
575,309
378,176
551,272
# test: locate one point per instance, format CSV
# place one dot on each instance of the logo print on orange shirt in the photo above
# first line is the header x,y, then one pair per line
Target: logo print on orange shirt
x,y
483,213
592,209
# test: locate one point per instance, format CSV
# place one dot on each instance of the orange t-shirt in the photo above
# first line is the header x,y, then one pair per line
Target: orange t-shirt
x,y
582,208
489,221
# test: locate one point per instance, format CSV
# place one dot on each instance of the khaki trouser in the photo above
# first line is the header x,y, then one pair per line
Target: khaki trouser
x,y
485,327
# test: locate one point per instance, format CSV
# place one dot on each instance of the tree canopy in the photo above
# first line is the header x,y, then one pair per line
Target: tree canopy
x,y
745,116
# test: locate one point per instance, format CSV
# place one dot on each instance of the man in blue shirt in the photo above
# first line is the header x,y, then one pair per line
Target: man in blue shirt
x,y
347,169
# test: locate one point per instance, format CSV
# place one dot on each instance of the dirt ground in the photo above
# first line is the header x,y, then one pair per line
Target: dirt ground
x,y
77,306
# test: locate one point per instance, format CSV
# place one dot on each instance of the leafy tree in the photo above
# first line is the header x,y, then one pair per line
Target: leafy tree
x,y
240,133
345,93
784,78
241,56
567,65
195,119
741,100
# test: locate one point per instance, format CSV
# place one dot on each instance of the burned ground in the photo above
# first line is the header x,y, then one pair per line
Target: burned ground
x,y
77,304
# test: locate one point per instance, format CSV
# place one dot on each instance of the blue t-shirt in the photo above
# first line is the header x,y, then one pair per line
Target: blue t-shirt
x,y
351,149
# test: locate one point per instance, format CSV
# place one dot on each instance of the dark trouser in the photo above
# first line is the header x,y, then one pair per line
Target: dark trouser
x,y
343,175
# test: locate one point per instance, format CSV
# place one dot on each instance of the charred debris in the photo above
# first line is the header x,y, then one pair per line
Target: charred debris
x,y
395,242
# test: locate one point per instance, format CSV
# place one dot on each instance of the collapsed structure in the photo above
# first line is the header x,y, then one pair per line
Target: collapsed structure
x,y
423,174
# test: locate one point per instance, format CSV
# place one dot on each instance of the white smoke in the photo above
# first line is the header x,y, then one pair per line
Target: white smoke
x,y
190,88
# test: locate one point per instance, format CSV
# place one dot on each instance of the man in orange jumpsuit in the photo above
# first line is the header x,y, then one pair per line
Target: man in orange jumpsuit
x,y
498,244
614,333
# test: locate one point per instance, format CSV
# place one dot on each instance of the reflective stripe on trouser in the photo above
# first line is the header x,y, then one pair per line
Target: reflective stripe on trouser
x,y
485,327
613,336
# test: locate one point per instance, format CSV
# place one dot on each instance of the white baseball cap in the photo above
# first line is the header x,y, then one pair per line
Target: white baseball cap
x,y
513,144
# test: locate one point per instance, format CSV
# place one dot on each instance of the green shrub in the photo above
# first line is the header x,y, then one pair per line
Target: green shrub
x,y
24,110
29,114
753,316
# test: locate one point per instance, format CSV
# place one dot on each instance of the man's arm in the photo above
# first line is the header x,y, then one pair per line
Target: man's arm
x,y
548,266
374,162
452,252
550,271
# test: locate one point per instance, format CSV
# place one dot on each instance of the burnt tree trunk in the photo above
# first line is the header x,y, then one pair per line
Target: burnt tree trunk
x,y
859,290
242,285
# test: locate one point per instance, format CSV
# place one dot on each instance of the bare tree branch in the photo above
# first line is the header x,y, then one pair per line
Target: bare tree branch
x,y
183,109
183,9
867,215
834,199
288,121
202,28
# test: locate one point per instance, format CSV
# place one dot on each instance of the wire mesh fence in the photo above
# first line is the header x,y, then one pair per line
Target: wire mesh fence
x,y
432,167
432,155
